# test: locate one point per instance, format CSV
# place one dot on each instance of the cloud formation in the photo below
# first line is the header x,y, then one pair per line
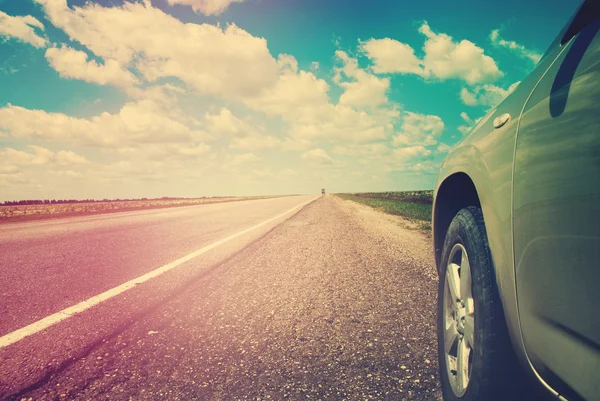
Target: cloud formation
x,y
443,58
514,47
206,7
74,64
21,28
13,160
411,152
137,122
318,156
301,100
244,159
361,89
199,101
419,129
234,64
391,56
468,124
486,95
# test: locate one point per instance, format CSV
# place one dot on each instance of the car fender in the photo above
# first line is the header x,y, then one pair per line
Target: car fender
x,y
482,157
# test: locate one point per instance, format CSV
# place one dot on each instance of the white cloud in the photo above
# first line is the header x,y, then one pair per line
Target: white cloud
x,y
259,141
362,89
362,150
485,95
226,124
192,149
170,101
244,136
165,95
464,129
193,124
417,133
262,174
466,118
12,160
232,64
391,56
443,148
21,28
235,66
468,125
301,100
469,98
14,180
68,158
295,93
37,156
318,156
71,63
411,152
256,142
287,63
342,124
419,129
141,121
206,7
513,46
67,173
8,168
443,58
165,151
243,159
426,167
126,169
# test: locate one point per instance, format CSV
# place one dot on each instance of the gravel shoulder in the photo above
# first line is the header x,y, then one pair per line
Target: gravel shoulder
x,y
336,303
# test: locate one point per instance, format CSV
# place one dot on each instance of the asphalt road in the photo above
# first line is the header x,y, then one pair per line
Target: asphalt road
x,y
301,298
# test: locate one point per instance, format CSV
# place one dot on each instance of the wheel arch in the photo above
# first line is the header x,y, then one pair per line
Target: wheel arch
x,y
456,192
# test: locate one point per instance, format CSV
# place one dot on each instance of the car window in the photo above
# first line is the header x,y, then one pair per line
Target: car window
x,y
588,12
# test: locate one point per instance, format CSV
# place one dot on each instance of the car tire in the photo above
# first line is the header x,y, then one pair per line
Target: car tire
x,y
476,359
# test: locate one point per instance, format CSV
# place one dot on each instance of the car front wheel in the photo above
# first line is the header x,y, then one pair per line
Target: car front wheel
x,y
475,356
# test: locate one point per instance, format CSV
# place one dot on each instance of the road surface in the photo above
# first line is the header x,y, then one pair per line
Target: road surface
x,y
287,298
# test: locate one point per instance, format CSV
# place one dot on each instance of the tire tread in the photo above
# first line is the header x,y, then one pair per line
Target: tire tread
x,y
495,368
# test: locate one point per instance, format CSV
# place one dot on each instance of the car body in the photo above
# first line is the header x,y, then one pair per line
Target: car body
x,y
532,166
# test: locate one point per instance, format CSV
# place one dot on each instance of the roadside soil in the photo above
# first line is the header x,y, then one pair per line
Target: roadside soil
x,y
21,213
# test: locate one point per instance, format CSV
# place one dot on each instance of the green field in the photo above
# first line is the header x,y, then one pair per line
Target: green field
x,y
414,205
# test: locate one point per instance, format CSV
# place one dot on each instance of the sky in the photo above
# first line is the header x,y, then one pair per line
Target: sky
x,y
190,98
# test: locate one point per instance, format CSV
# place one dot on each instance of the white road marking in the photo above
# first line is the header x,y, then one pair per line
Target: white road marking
x,y
64,314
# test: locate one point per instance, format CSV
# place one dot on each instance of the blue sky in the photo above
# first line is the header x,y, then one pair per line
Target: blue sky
x,y
232,97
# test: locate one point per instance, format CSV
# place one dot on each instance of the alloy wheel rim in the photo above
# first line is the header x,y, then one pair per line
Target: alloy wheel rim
x,y
459,320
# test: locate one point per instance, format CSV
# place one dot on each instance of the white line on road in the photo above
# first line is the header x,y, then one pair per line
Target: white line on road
x,y
64,314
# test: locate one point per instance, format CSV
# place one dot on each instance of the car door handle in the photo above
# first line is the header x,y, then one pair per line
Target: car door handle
x,y
501,120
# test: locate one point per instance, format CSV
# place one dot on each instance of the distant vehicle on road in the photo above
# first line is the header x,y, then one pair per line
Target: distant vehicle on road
x,y
323,191
516,233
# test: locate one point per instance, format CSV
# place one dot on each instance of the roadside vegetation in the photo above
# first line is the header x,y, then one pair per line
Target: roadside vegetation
x,y
413,205
44,209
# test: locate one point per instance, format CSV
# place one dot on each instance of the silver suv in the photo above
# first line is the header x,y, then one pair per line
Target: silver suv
x,y
516,227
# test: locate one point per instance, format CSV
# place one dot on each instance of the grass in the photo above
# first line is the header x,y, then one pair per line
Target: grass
x,y
413,205
425,197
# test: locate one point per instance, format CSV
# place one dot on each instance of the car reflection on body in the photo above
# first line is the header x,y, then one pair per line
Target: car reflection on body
x,y
516,232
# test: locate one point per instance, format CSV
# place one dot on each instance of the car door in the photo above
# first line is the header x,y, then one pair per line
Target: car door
x,y
556,214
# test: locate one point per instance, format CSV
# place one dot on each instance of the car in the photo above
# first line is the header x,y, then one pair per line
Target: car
x,y
516,234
